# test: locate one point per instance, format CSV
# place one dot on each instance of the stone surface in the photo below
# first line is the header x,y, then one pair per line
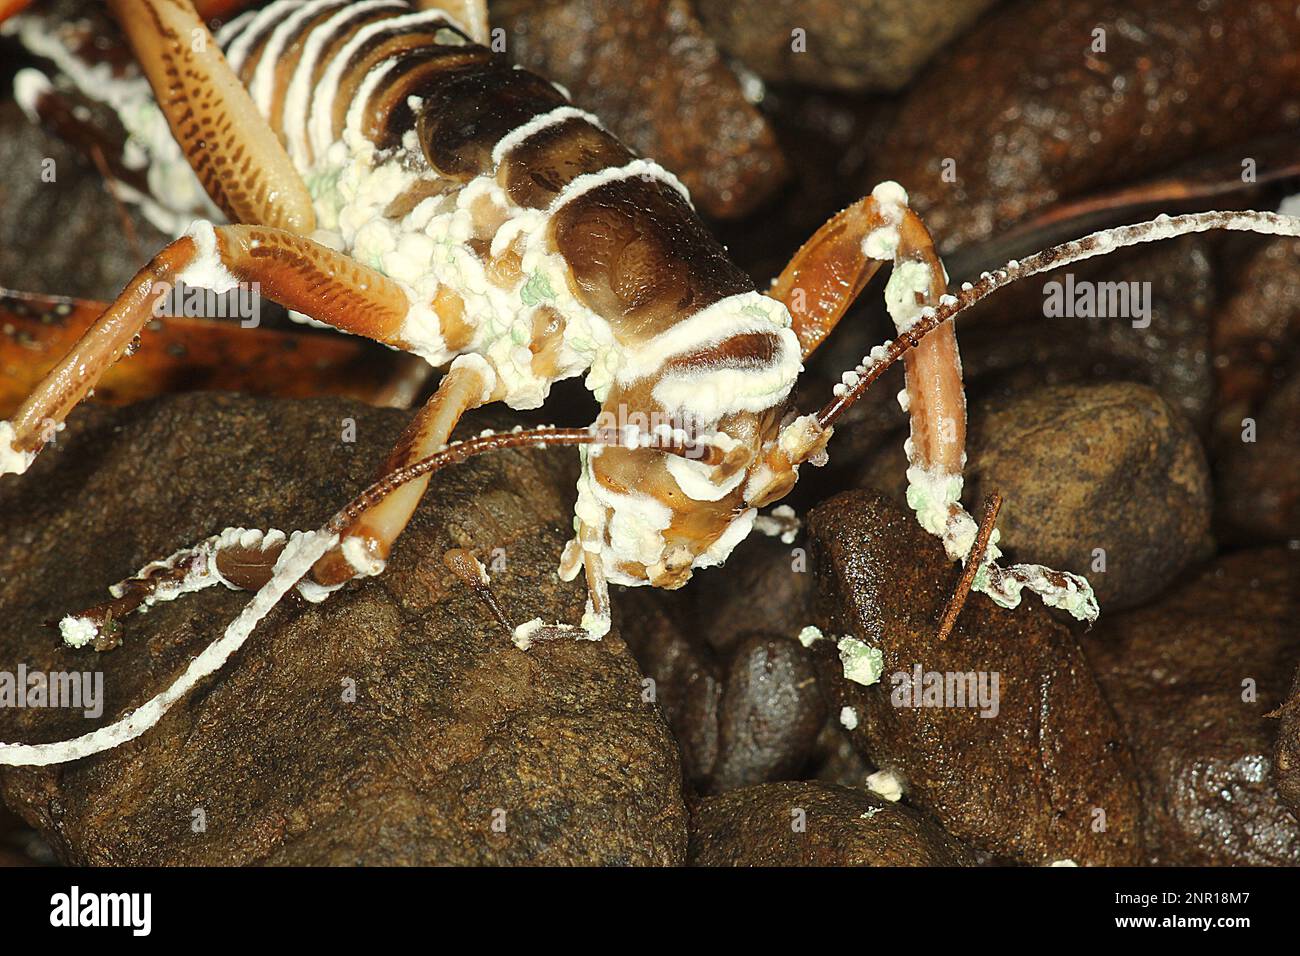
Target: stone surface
x,y
742,716
1082,467
1029,114
452,728
845,44
648,69
1286,755
1259,481
816,824
1024,784
1192,678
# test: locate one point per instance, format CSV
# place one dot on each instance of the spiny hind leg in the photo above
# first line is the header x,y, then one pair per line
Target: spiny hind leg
x,y
290,269
240,161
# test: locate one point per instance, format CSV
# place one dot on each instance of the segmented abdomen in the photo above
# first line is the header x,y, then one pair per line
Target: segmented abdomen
x,y
468,128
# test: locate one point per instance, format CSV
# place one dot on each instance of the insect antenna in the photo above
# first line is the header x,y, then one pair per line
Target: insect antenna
x,y
1099,243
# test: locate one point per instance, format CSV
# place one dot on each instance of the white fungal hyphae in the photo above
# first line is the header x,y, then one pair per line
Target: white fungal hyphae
x,y
29,86
886,784
206,270
175,194
810,635
909,281
848,718
12,461
861,663
882,242
782,523
1065,862
302,551
356,550
523,635
77,631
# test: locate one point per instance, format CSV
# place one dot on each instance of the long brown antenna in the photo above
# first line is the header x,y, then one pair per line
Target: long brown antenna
x,y
1097,244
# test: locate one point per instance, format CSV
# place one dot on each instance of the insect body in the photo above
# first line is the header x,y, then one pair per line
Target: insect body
x,y
392,178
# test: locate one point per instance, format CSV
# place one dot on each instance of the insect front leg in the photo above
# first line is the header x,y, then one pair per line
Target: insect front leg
x,y
292,270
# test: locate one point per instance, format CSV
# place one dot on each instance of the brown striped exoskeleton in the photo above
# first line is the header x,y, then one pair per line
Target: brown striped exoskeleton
x,y
380,171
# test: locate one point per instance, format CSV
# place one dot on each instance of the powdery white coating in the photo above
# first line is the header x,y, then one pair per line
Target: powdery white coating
x,y
29,86
77,631
206,271
535,125
695,478
1065,862
12,461
810,635
302,551
297,102
149,144
782,523
523,635
861,663
262,88
707,393
882,242
908,280
848,718
886,784
359,557
321,118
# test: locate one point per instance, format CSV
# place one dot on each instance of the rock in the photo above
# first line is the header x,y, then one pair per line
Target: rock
x,y
1286,755
647,68
452,729
846,44
1029,114
1259,484
741,717
1009,345
1034,782
837,760
766,585
1255,334
88,254
1181,674
686,678
770,714
1083,467
816,824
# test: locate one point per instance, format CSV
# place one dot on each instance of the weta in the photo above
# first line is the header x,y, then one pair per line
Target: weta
x,y
382,172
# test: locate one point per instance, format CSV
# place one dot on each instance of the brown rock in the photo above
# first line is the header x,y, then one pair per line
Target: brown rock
x,y
1181,674
816,824
1034,782
846,44
1259,481
452,728
1083,467
1029,114
648,69
741,717
771,713
1286,755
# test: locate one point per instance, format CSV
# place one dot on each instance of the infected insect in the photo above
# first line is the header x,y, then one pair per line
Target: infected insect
x,y
386,174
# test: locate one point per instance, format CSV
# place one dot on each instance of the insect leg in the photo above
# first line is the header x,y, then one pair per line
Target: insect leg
x,y
365,544
290,269
240,161
471,14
